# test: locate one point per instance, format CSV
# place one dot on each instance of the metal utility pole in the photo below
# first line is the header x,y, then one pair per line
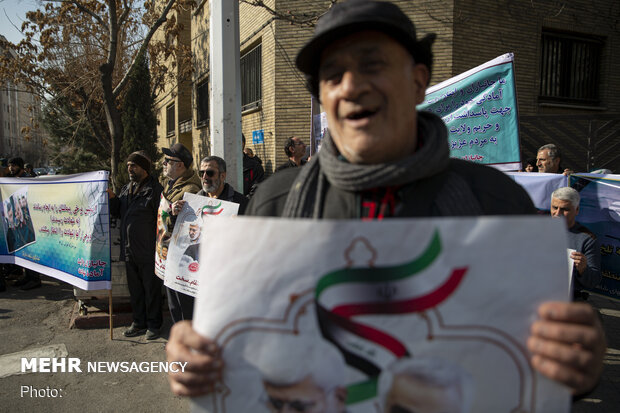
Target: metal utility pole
x,y
225,102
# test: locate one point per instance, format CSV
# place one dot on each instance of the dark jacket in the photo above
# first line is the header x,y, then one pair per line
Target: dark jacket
x,y
581,239
253,173
496,193
229,194
290,164
138,214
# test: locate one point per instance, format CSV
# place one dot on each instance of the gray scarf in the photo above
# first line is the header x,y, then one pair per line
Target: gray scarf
x,y
305,198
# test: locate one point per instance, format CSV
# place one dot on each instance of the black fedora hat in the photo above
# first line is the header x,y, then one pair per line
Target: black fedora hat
x,y
357,15
178,150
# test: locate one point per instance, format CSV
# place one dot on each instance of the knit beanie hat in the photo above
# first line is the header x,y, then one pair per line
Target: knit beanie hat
x,y
141,159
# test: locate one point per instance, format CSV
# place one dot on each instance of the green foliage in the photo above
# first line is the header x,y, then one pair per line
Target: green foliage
x,y
139,121
73,146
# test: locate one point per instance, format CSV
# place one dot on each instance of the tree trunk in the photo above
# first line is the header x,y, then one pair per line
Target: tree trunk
x,y
113,118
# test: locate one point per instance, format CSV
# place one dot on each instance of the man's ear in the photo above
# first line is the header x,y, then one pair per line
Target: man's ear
x,y
421,77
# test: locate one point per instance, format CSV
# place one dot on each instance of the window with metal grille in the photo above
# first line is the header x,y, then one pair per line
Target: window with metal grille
x,y
251,91
170,126
570,65
202,103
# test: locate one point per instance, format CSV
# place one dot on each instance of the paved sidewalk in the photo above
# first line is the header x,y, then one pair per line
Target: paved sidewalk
x,y
38,319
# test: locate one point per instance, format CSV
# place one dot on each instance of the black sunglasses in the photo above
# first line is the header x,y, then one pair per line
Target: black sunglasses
x,y
168,160
210,172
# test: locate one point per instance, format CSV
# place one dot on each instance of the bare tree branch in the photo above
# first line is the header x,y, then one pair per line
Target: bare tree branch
x,y
301,19
143,47
123,17
85,10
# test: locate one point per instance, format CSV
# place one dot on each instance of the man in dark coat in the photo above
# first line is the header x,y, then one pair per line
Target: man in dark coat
x,y
295,149
382,159
587,250
253,172
137,206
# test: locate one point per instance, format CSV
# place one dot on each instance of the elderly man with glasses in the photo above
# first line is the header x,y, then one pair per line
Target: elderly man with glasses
x,y
213,177
182,178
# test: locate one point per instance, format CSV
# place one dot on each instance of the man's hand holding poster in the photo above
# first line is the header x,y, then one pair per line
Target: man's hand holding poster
x,y
164,216
183,262
421,315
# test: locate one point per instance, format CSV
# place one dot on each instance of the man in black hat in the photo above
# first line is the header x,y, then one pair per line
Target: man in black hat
x,y
381,158
137,206
182,178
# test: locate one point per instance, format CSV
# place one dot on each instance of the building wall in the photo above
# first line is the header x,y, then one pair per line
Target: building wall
x,y
469,33
285,108
482,33
200,50
177,90
293,101
256,26
434,16
20,134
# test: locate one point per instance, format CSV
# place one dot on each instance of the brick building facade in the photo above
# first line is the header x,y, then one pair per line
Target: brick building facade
x,y
19,132
565,55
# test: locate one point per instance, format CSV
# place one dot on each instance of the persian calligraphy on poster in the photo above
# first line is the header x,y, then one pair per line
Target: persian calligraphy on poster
x,y
479,107
59,226
599,211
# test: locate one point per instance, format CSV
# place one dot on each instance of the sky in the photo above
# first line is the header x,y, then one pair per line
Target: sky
x,y
14,11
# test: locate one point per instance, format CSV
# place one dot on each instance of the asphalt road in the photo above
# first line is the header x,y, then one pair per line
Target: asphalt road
x,y
37,319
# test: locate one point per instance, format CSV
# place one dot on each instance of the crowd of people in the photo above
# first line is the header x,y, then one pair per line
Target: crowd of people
x,y
138,205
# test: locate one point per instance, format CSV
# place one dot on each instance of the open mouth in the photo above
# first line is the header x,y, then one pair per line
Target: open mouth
x,y
361,114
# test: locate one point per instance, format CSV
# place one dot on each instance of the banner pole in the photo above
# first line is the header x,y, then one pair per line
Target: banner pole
x,y
110,312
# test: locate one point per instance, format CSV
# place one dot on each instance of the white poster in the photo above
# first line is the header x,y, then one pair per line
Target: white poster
x,y
190,231
539,186
350,316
